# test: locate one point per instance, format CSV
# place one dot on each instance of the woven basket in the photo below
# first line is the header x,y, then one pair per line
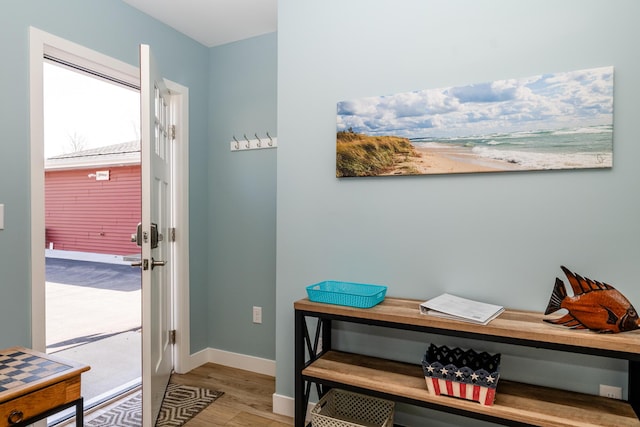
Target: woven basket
x,y
340,408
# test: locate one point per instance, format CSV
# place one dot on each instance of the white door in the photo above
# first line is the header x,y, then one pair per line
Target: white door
x,y
157,351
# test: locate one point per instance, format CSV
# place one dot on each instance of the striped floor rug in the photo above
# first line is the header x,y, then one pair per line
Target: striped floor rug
x,y
181,403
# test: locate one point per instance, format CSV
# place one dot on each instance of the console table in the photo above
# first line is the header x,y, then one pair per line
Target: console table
x,y
35,385
516,404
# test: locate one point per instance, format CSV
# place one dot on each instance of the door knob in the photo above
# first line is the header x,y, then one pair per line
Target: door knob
x,y
143,263
155,263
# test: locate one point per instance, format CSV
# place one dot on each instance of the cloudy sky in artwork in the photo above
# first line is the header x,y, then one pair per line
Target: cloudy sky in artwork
x,y
545,102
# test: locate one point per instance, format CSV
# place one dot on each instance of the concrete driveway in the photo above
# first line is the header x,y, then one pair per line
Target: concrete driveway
x,y
93,317
87,301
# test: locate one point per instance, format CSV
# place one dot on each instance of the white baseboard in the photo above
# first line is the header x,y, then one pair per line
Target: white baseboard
x,y
285,405
195,360
233,360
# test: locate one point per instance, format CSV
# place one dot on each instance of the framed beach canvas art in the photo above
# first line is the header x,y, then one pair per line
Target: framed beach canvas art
x,y
545,122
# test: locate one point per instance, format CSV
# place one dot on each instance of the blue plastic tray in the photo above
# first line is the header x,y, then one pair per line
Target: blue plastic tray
x,y
346,293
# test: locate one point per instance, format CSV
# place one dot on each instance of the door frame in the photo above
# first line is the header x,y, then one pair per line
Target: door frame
x,y
41,42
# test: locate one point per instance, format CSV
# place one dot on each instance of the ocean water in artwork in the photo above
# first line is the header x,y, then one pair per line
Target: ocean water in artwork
x,y
567,148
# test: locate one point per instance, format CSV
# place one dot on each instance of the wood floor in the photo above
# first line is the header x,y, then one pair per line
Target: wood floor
x,y
246,401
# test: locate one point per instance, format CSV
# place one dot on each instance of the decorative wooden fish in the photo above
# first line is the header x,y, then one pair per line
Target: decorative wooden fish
x,y
594,305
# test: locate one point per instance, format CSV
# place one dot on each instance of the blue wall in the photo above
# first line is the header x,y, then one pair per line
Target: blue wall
x,y
497,237
114,29
242,230
494,237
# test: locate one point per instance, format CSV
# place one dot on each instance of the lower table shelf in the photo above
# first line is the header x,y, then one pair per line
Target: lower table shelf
x,y
517,402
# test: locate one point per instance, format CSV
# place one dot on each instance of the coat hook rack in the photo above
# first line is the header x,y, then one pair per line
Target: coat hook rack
x,y
253,144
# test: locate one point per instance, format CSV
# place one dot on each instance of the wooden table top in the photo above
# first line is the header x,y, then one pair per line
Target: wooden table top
x,y
23,370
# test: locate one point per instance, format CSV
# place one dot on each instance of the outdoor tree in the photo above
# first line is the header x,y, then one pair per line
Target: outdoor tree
x,y
77,142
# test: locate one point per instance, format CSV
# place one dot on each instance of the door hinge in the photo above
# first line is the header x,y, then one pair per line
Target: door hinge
x,y
173,131
172,234
172,336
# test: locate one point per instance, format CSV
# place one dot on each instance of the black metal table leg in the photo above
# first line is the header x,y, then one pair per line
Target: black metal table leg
x,y
299,395
308,350
634,386
80,412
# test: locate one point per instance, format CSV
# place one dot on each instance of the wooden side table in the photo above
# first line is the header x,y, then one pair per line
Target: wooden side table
x,y
35,385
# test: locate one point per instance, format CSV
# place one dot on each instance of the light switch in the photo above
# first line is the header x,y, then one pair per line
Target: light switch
x,y
2,216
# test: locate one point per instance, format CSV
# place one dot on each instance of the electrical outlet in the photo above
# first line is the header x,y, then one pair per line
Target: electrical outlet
x,y
257,314
611,391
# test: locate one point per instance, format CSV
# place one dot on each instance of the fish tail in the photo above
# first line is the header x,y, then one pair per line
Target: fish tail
x,y
557,296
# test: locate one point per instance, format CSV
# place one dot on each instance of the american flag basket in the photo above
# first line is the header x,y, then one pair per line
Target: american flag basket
x,y
459,373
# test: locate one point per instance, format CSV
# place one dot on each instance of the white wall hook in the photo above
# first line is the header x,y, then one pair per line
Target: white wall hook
x,y
253,144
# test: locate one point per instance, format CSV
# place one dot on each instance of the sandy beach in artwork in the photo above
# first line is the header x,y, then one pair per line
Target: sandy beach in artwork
x,y
444,160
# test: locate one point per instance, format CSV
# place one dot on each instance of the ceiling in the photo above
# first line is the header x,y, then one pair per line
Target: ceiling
x,y
213,22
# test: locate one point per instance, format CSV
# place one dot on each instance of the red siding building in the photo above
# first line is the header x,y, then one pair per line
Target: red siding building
x,y
93,200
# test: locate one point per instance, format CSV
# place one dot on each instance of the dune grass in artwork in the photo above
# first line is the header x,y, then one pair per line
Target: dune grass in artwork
x,y
362,155
544,122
